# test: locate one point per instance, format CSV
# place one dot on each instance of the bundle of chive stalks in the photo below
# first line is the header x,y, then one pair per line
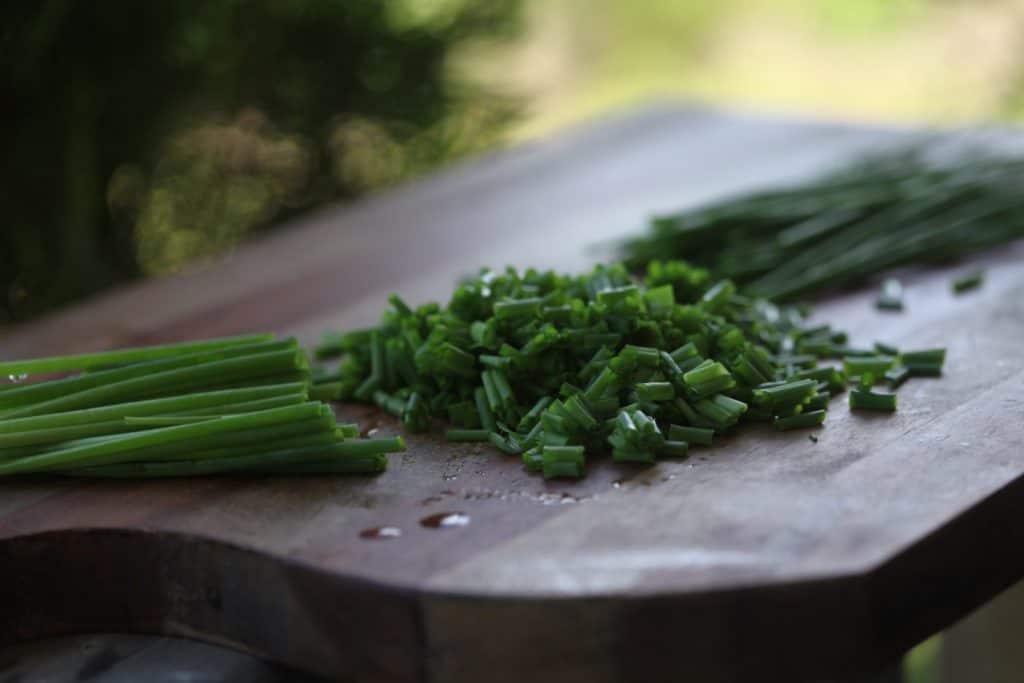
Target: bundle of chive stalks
x,y
892,209
556,368
239,405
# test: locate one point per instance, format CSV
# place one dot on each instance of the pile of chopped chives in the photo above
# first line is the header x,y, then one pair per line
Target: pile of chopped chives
x,y
238,405
556,368
884,211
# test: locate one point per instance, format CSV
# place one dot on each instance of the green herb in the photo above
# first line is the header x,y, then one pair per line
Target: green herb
x,y
138,412
601,363
859,365
926,363
562,461
886,349
89,361
896,376
812,419
467,435
695,435
966,283
868,400
884,211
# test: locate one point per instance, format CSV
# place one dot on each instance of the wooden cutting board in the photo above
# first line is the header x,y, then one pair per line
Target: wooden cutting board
x,y
766,556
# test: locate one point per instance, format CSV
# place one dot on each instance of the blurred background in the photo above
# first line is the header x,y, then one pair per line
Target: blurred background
x,y
144,138
141,139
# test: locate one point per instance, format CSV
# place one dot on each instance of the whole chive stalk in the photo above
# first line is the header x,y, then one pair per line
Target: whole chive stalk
x,y
41,437
165,421
351,457
211,400
306,433
37,392
181,379
125,447
250,406
88,361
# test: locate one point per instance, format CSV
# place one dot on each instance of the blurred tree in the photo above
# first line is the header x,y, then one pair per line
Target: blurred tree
x,y
139,135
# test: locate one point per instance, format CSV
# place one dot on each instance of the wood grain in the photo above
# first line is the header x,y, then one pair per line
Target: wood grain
x,y
767,556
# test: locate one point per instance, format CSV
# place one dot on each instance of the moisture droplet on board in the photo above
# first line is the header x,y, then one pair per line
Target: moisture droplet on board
x,y
445,520
381,532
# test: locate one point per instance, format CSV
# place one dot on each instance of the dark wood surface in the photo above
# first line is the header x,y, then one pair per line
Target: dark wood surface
x,y
767,556
130,658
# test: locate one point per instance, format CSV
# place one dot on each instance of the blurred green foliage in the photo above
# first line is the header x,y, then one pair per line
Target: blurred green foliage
x,y
140,135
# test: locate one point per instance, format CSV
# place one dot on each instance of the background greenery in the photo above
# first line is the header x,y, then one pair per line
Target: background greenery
x,y
141,138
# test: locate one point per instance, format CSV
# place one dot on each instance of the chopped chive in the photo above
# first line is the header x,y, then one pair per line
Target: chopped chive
x,y
788,394
467,435
967,282
926,356
348,430
886,349
463,414
896,376
415,413
504,444
817,402
327,391
504,310
710,377
655,391
483,410
858,365
695,435
868,400
810,419
835,378
673,449
562,461
924,369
